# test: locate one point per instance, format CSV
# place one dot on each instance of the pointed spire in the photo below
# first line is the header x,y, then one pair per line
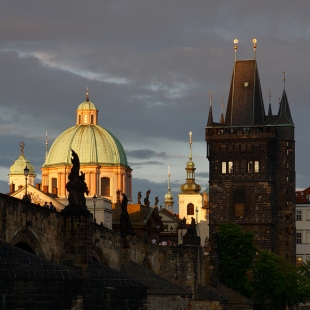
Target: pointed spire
x,y
190,186
87,95
284,114
46,145
269,117
169,197
222,121
210,116
190,146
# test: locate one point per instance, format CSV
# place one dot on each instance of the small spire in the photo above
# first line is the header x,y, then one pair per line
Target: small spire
x,y
222,121
235,48
190,146
22,146
284,79
87,94
46,145
210,95
169,179
279,100
254,41
269,96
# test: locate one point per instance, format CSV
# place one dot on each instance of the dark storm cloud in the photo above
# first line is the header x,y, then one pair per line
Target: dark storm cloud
x,y
145,164
149,66
202,175
145,154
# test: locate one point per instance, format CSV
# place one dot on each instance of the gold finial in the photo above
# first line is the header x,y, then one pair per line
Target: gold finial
x,y
190,137
235,48
168,171
222,106
87,94
254,41
210,95
269,96
284,79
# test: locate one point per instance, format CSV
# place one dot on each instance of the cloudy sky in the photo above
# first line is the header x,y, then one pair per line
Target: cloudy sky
x,y
149,66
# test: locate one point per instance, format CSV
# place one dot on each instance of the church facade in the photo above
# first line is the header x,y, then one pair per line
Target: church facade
x,y
252,166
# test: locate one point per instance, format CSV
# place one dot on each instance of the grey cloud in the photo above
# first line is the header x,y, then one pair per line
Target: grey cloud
x,y
145,154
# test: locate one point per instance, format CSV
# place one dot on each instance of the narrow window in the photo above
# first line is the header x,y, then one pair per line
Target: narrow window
x,y
250,166
298,261
105,186
190,209
224,167
298,238
239,209
92,119
256,166
298,215
230,167
85,118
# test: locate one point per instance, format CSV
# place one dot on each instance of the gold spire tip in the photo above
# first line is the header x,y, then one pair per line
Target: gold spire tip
x,y
210,95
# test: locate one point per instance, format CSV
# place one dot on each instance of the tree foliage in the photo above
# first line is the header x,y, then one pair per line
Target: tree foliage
x,y
278,282
273,279
237,251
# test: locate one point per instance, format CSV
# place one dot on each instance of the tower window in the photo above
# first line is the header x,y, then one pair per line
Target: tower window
x,y
239,209
224,167
230,167
256,166
250,166
105,186
190,209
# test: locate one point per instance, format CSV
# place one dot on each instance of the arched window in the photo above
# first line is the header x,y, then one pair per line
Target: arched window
x,y
105,186
92,119
190,209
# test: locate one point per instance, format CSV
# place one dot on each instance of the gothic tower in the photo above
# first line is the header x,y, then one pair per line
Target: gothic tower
x,y
252,167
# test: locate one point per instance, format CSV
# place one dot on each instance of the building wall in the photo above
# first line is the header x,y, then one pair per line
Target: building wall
x,y
302,233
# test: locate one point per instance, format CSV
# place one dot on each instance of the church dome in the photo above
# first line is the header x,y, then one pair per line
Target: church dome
x,y
92,143
87,105
19,166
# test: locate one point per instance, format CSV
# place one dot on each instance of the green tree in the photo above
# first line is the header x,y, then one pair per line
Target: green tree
x,y
237,251
277,282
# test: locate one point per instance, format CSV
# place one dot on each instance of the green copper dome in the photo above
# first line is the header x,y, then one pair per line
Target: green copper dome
x,y
87,105
92,143
19,166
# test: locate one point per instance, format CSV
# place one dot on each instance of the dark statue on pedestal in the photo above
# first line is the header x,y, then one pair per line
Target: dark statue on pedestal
x,y
76,185
139,197
125,224
191,237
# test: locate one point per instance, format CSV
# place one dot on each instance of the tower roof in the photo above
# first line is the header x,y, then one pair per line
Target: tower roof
x,y
245,102
284,114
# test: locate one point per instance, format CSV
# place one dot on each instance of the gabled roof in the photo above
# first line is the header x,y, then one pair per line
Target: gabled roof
x,y
37,196
245,105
